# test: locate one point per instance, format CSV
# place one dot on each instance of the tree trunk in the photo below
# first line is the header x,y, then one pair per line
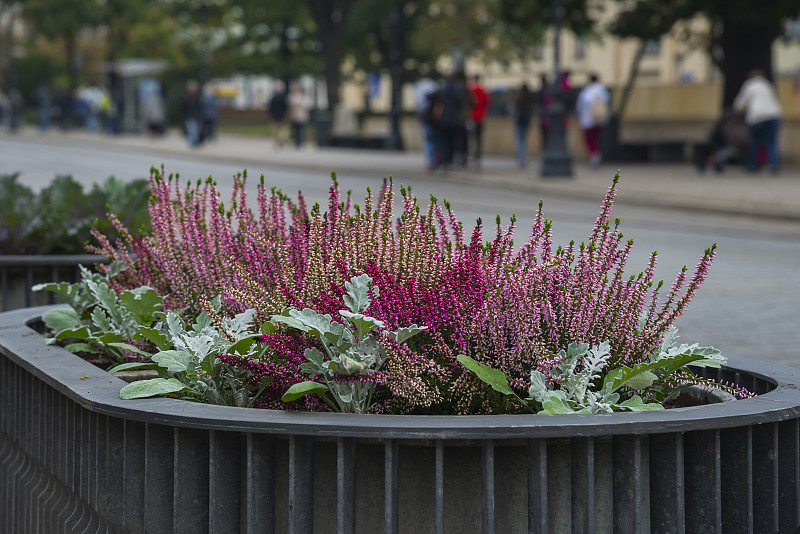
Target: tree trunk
x,y
330,17
743,49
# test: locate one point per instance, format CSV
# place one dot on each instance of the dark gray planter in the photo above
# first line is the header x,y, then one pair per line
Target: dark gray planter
x,y
76,458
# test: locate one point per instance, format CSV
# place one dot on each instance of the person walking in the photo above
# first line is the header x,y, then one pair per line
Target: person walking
x,y
299,115
451,119
762,113
593,114
423,101
277,108
192,113
209,114
480,103
521,113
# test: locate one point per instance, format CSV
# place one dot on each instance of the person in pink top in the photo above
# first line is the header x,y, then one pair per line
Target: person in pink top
x,y
480,103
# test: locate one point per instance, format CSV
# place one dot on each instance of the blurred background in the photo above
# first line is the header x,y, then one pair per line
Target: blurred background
x,y
672,67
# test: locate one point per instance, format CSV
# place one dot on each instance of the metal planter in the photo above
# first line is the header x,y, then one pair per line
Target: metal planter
x,y
76,458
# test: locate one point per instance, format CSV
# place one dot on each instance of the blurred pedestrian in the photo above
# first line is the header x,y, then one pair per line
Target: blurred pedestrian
x,y
480,103
450,108
545,105
593,109
299,114
759,102
44,104
15,108
521,113
277,108
728,142
154,113
422,92
208,114
192,113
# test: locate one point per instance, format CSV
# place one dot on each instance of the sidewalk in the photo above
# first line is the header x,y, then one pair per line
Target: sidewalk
x,y
668,185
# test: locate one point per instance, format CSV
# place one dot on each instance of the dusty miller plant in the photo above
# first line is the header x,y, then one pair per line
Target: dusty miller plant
x,y
579,382
354,349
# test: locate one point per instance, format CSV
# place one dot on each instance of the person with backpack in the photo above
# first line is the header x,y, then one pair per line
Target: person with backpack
x,y
277,108
593,107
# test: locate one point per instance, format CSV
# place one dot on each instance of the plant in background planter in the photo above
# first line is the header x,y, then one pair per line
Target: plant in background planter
x,y
58,219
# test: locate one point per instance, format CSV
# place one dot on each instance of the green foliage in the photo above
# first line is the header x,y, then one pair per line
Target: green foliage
x,y
58,220
354,349
188,363
577,384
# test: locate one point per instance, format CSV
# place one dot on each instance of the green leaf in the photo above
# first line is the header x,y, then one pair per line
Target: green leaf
x,y
110,337
268,328
242,347
61,319
134,366
306,320
301,389
641,380
363,323
74,333
81,347
174,361
558,405
496,379
404,334
142,302
151,388
155,337
104,295
130,348
636,404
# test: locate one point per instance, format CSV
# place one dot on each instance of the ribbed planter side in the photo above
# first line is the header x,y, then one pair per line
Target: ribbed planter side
x,y
75,458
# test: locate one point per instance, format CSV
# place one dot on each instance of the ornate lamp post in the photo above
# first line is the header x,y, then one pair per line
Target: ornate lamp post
x,y
556,160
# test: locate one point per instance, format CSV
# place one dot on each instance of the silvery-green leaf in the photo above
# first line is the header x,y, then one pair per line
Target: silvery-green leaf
x,y
363,323
61,319
74,333
81,347
357,297
174,361
242,347
143,302
240,324
101,320
538,390
133,366
201,323
110,337
405,333
155,336
636,404
641,380
104,294
302,389
555,404
339,337
151,388
130,348
494,378
314,356
351,366
306,320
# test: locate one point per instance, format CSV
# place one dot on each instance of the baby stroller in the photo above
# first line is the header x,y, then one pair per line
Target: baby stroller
x,y
727,143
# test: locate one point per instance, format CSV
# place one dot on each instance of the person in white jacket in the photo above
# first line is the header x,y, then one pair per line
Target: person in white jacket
x,y
593,114
762,113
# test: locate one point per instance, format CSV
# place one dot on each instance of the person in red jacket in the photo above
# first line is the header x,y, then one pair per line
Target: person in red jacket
x,y
480,103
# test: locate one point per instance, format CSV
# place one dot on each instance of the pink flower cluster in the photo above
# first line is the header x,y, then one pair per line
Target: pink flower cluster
x,y
510,308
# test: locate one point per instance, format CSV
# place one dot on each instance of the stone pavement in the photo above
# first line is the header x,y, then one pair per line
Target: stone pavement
x,y
667,185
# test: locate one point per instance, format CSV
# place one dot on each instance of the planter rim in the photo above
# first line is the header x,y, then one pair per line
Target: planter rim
x,y
98,391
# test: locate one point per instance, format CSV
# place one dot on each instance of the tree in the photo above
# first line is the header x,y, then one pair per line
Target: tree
x,y
330,18
62,20
740,33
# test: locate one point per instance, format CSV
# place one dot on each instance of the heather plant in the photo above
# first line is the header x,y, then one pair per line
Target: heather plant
x,y
509,307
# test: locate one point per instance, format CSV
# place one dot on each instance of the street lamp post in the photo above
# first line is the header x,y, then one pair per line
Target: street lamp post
x,y
395,139
556,160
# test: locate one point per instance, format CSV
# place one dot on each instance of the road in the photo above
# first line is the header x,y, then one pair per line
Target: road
x,y
749,306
